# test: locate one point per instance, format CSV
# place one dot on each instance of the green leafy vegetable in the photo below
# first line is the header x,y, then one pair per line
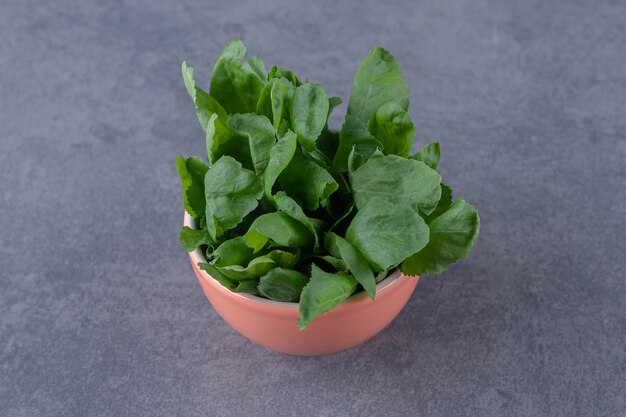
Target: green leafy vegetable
x,y
429,155
260,135
192,239
282,284
191,172
278,177
355,261
234,84
231,192
391,125
307,181
452,236
278,228
323,292
404,181
309,111
387,233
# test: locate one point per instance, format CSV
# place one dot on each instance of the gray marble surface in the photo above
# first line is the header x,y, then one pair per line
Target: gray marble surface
x,y
100,314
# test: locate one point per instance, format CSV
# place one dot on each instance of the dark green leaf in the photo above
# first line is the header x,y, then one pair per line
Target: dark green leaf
x,y
392,126
309,111
280,229
307,181
192,171
260,266
215,274
282,284
452,236
397,180
233,252
444,203
248,286
386,233
323,292
221,141
235,85
231,193
429,155
287,205
260,134
356,262
280,156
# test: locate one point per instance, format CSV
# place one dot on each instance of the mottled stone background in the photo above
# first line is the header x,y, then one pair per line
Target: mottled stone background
x,y
100,314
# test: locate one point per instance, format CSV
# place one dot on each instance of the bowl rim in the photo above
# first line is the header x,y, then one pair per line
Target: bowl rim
x,y
197,256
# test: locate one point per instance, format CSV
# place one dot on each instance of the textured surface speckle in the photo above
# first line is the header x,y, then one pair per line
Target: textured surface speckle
x,y
100,314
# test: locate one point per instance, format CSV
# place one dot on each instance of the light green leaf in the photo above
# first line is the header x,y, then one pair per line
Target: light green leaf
x,y
256,65
232,252
277,72
191,239
323,292
309,111
192,171
452,236
397,180
305,180
377,81
281,96
260,133
278,227
231,193
387,233
392,126
282,284
280,156
356,262
287,205
429,155
235,85
206,105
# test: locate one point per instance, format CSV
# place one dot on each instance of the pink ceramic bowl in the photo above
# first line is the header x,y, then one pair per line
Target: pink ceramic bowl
x,y
273,323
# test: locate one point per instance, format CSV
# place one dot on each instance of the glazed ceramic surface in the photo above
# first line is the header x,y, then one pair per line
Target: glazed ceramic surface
x,y
273,324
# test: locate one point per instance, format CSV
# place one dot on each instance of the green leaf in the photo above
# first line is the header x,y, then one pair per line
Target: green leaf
x,y
235,85
260,266
387,233
256,65
323,292
215,274
277,72
221,141
206,105
248,286
377,81
356,262
354,136
260,134
392,126
192,239
429,155
233,252
278,227
337,263
287,205
281,96
397,180
305,180
309,111
282,284
452,235
280,156
444,203
192,171
231,192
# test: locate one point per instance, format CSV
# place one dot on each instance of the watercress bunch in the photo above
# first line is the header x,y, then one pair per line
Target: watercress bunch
x,y
288,209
